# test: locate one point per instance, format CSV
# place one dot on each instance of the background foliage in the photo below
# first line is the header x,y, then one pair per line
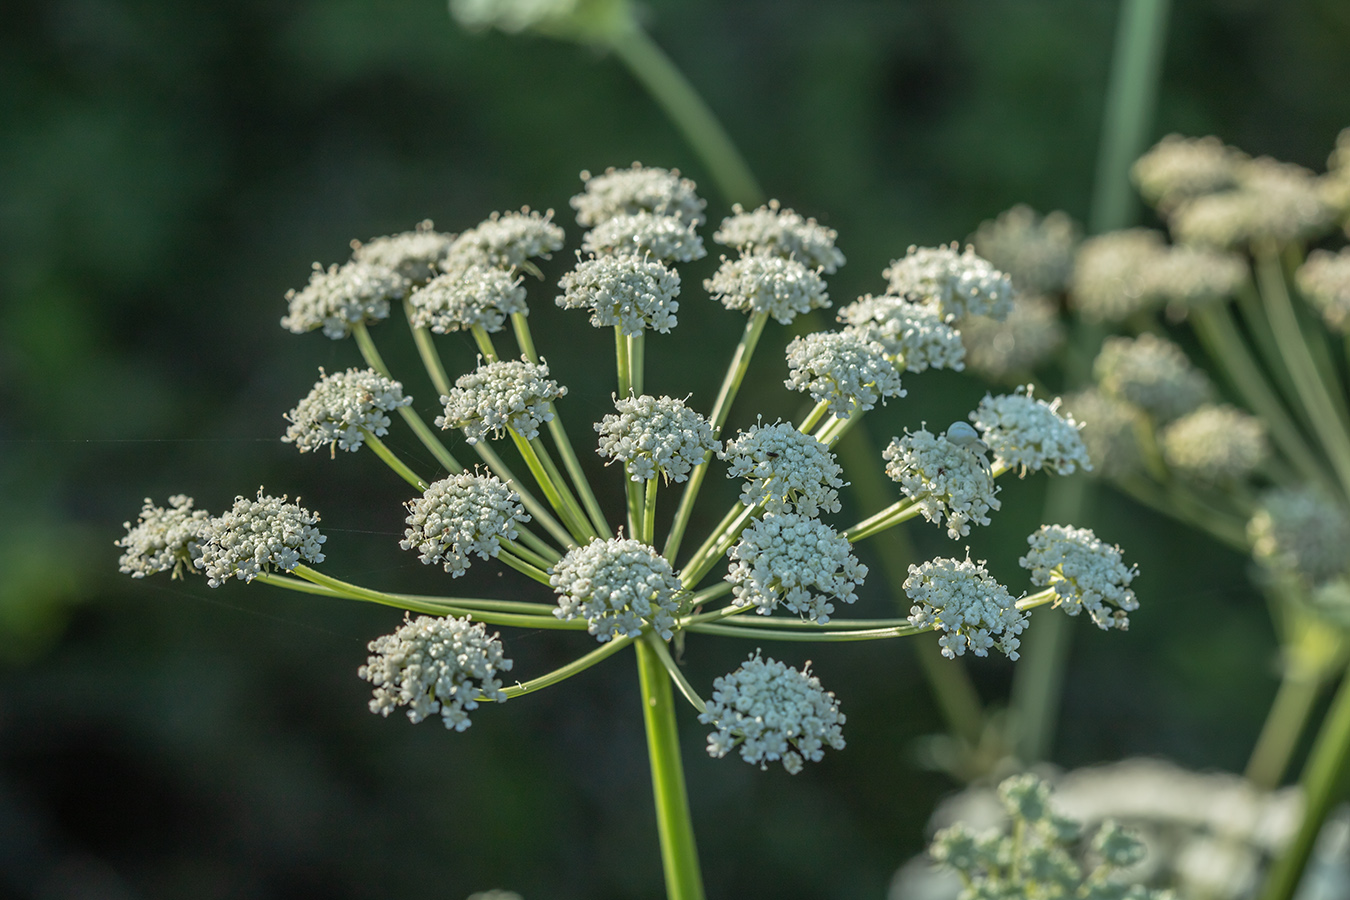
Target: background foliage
x,y
167,171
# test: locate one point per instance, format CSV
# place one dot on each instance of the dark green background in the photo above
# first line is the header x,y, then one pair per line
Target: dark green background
x,y
168,170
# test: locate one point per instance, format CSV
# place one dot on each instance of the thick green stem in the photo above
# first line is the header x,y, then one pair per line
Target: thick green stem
x,y
679,852
569,498
686,109
813,417
1321,781
717,544
521,326
633,506
740,361
393,462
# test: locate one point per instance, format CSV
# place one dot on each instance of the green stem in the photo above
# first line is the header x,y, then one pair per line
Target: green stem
x,y
673,669
521,326
531,503
562,673
788,635
1321,780
679,852
686,109
623,363
430,602
527,569
740,361
813,417
580,530
1262,335
717,544
1328,422
649,513
1283,726
534,559
568,497
484,342
393,461
573,466
426,349
633,505
637,361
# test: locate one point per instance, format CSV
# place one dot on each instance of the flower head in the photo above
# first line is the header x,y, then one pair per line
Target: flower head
x,y
653,435
1179,168
946,479
1029,433
509,393
616,585
1037,253
1325,280
461,515
1112,276
633,292
843,369
1086,573
772,712
956,284
1152,373
1273,201
1301,532
342,408
774,230
1028,337
1215,444
620,192
784,470
257,536
1192,277
163,540
436,665
505,240
339,297
914,335
794,560
477,295
665,238
415,255
1110,431
757,283
961,599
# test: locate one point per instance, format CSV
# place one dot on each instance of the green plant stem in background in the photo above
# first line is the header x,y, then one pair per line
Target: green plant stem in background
x,y
1321,779
1131,93
686,109
679,852
1282,729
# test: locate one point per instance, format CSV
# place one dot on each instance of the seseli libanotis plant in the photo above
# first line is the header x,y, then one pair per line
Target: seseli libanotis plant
x,y
1257,453
779,566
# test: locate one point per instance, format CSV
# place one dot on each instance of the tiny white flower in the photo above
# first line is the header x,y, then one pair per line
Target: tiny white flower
x,y
947,477
784,470
1030,434
1215,444
339,297
341,408
1325,280
620,192
756,283
773,712
1036,252
415,255
1031,335
961,599
475,295
1085,572
775,230
616,585
956,284
652,435
666,238
844,369
635,293
462,515
915,335
1152,373
1112,275
510,393
795,561
257,536
505,240
1179,168
163,540
436,665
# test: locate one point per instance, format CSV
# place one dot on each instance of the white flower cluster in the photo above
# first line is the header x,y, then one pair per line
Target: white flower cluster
x,y
477,295
1152,373
1325,281
944,479
961,599
957,284
1215,444
667,238
633,292
914,335
1111,429
415,255
342,408
774,230
1191,277
772,712
1014,347
509,393
843,369
1179,168
339,297
620,192
1029,433
756,283
616,585
436,665
794,560
1301,532
458,516
784,470
505,240
163,540
1037,253
1086,573
1124,272
513,16
1273,201
256,536
652,435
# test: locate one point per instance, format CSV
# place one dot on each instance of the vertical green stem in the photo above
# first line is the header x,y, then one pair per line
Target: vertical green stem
x,y
1282,729
568,498
622,363
637,361
1321,779
484,342
580,530
573,466
679,852
426,348
649,512
668,86
633,498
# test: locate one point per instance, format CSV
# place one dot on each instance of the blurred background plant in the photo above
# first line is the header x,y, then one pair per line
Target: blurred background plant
x,y
163,170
